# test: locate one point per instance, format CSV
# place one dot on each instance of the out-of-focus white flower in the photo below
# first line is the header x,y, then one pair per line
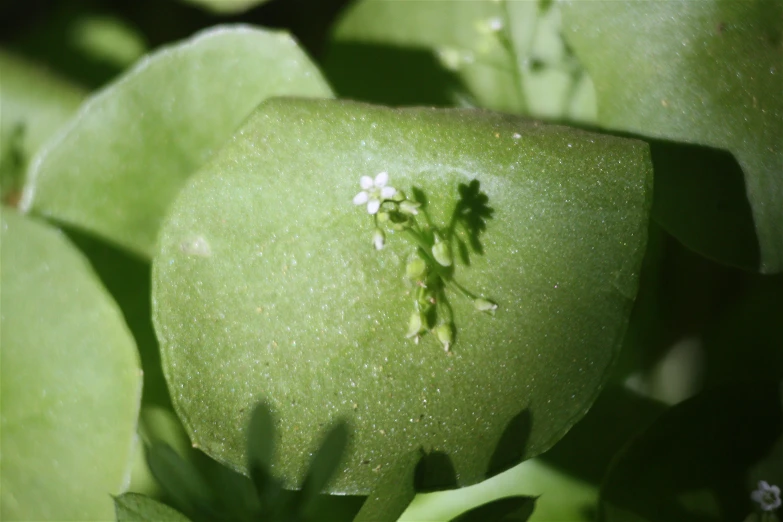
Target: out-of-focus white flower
x,y
766,496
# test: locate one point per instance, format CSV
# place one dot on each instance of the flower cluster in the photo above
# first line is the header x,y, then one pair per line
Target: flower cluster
x,y
430,269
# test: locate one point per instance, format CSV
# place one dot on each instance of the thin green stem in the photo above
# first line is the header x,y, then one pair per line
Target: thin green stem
x,y
506,37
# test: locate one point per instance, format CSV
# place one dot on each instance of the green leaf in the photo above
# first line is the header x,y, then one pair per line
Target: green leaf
x,y
709,73
446,53
559,495
35,103
126,154
82,41
504,509
226,7
691,464
132,507
70,381
266,272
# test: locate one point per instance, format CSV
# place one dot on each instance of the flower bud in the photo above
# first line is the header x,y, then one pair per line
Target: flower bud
x,y
445,334
414,325
409,207
416,269
483,305
378,239
442,253
382,217
398,196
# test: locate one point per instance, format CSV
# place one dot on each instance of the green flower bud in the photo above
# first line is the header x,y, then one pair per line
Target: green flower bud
x,y
416,269
409,207
483,305
383,217
442,253
414,325
398,196
378,239
445,334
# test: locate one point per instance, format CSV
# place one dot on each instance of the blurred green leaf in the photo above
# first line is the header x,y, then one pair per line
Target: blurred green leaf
x,y
709,73
509,509
446,53
35,103
132,507
131,147
744,339
560,495
181,480
266,273
691,464
226,7
82,41
70,382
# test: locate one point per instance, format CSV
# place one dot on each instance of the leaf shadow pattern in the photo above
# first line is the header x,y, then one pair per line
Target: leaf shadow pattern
x,y
434,472
471,213
224,494
511,447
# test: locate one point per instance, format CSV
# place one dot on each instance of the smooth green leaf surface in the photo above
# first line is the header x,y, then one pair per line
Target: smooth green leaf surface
x,y
559,495
226,6
124,156
70,383
34,103
132,507
709,73
266,286
691,464
446,53
509,509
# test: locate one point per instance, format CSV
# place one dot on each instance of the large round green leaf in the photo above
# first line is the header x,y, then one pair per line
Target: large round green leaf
x,y
708,72
121,160
266,286
505,56
70,384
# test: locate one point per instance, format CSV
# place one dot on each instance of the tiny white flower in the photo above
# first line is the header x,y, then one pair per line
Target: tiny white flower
x,y
766,496
495,24
374,192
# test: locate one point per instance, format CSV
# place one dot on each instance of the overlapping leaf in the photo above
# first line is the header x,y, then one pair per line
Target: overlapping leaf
x,y
118,164
709,73
70,383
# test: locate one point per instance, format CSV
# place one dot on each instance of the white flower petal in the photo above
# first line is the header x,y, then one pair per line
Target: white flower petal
x,y
361,198
381,179
388,192
365,182
373,206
